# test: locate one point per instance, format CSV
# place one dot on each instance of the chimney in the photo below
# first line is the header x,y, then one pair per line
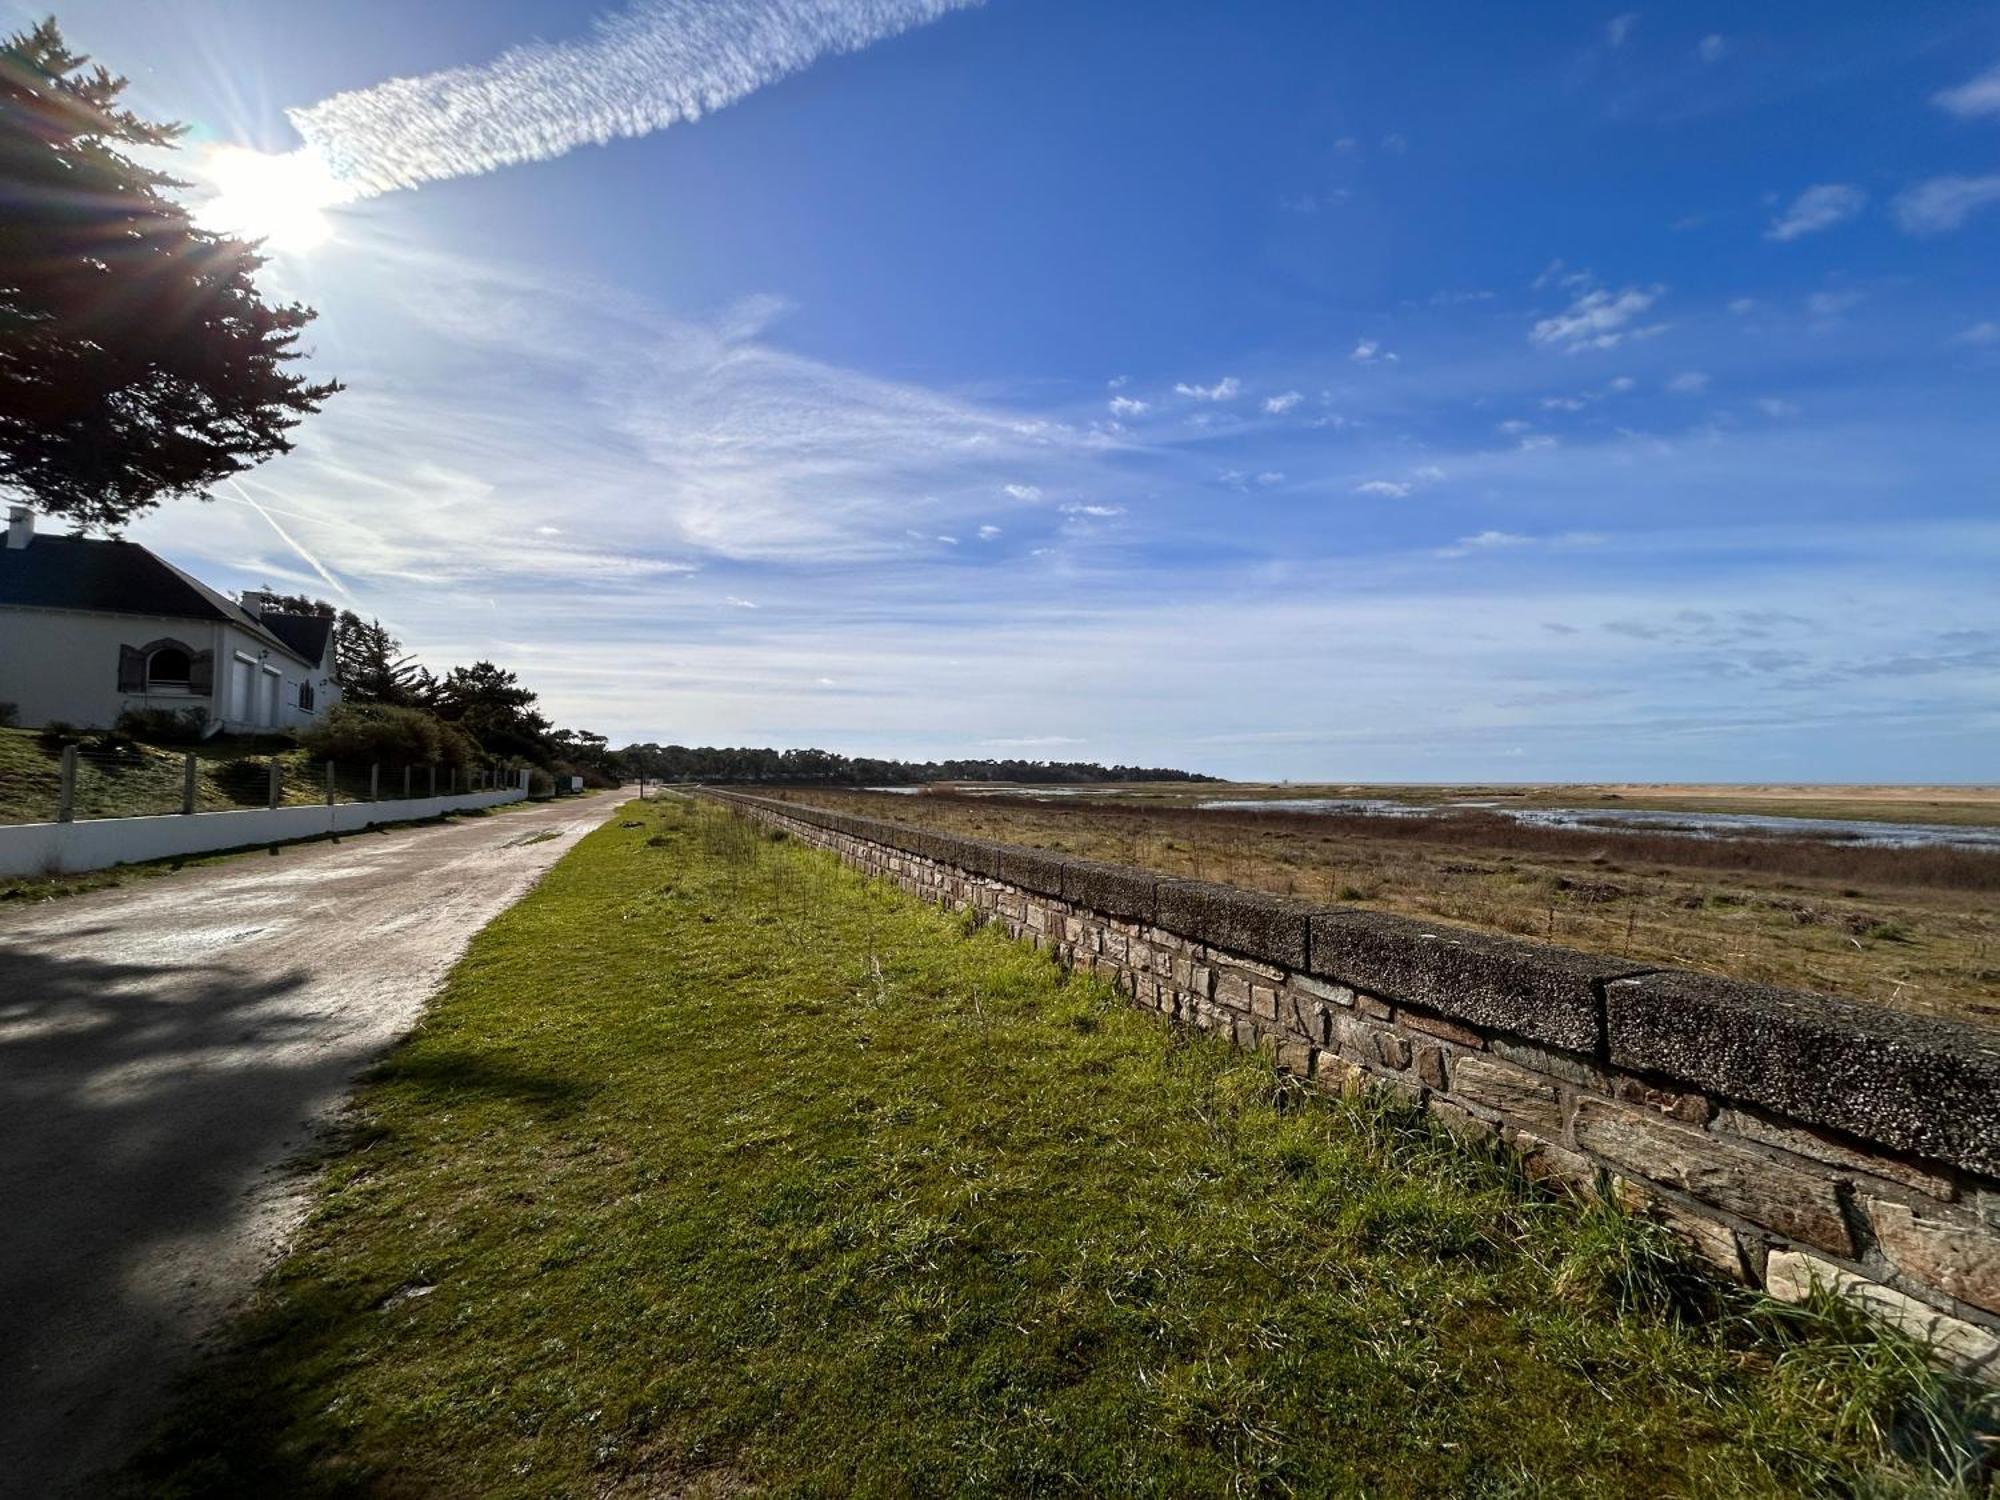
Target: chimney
x,y
255,602
20,527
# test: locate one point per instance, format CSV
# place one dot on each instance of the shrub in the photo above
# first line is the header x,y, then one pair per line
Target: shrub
x,y
10,715
383,734
163,726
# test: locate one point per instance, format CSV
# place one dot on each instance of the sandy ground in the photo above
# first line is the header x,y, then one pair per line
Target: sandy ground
x,y
165,1049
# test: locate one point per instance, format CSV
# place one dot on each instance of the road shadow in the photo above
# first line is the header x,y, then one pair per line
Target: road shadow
x,y
140,1104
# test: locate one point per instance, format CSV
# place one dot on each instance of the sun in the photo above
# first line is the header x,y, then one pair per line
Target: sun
x,y
279,199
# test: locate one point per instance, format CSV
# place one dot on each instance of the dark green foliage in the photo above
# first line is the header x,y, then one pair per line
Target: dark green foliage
x,y
823,767
137,360
488,703
383,734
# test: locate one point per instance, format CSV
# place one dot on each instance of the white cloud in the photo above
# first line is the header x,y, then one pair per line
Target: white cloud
x,y
1128,406
1711,48
1597,319
1832,304
988,533
1097,512
1427,473
735,603
1623,383
1817,208
1228,388
1395,144
1777,408
1536,441
1944,203
1026,493
1689,383
1742,307
657,63
1278,405
1385,489
1270,477
1369,351
1980,333
1619,28
1565,403
1484,541
1978,96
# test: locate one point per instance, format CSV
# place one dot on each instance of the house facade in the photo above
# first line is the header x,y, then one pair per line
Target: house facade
x,y
90,628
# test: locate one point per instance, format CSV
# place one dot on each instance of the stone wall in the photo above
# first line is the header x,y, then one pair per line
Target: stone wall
x,y
1791,1139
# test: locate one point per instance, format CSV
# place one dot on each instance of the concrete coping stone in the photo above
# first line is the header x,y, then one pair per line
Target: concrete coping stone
x,y
1271,929
1035,870
1915,1084
1543,994
1115,890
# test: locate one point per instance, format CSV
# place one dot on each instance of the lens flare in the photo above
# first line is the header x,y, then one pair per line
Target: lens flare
x,y
280,199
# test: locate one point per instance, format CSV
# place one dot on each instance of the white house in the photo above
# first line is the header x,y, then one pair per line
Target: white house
x,y
91,627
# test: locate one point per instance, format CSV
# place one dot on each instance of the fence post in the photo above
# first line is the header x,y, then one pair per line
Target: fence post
x,y
329,783
375,783
188,771
66,789
434,778
406,783
277,783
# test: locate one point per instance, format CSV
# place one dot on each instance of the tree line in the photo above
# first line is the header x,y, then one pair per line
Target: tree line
x,y
480,711
823,767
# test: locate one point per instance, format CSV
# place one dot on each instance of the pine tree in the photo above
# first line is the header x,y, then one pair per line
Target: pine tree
x,y
137,360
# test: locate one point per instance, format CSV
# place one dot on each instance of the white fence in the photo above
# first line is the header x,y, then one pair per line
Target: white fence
x,y
96,843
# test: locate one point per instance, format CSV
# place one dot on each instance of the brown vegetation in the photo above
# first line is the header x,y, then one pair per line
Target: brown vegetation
x,y
1911,927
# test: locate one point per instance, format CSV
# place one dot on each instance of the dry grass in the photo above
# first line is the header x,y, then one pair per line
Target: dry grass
x,y
1912,928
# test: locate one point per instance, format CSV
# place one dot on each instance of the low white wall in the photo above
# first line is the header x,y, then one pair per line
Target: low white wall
x,y
95,843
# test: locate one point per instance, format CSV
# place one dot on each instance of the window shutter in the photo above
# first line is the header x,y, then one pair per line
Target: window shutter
x,y
201,672
131,670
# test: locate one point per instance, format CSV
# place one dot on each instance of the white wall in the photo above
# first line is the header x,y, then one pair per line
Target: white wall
x,y
62,664
97,843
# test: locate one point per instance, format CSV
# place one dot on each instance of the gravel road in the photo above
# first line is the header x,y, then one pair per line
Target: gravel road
x,y
165,1048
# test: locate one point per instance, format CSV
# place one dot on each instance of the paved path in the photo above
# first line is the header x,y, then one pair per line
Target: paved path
x,y
164,1048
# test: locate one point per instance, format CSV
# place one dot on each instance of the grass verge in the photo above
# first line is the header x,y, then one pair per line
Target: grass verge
x,y
715,1170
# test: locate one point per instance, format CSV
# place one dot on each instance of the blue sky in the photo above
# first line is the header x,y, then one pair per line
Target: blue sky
x,y
1370,392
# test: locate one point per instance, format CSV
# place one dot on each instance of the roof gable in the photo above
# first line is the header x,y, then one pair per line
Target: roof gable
x,y
112,576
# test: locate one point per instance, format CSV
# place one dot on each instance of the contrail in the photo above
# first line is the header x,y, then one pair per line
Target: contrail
x,y
286,537
656,64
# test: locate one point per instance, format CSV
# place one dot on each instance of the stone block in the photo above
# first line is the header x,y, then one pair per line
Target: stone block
x,y
1959,1256
1689,1109
1232,990
1514,1093
1922,1085
1429,1064
1792,1275
1115,890
1545,1161
1263,1002
1539,993
1713,1241
1259,926
1798,1204
1438,1026
1564,1065
1319,989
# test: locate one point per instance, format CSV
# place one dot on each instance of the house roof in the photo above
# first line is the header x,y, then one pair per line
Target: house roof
x,y
123,578
305,634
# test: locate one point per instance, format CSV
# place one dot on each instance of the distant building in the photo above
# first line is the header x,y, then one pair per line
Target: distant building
x,y
90,628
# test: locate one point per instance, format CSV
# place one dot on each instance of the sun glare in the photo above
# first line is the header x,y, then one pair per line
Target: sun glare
x,y
279,199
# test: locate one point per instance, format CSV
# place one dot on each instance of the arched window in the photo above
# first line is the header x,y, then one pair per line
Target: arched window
x,y
168,667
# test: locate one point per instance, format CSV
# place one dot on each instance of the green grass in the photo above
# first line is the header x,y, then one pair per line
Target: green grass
x,y
715,1170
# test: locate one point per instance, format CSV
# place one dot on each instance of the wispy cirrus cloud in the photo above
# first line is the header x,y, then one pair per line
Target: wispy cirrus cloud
x,y
655,64
1976,96
1228,388
1598,319
1817,208
1942,204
